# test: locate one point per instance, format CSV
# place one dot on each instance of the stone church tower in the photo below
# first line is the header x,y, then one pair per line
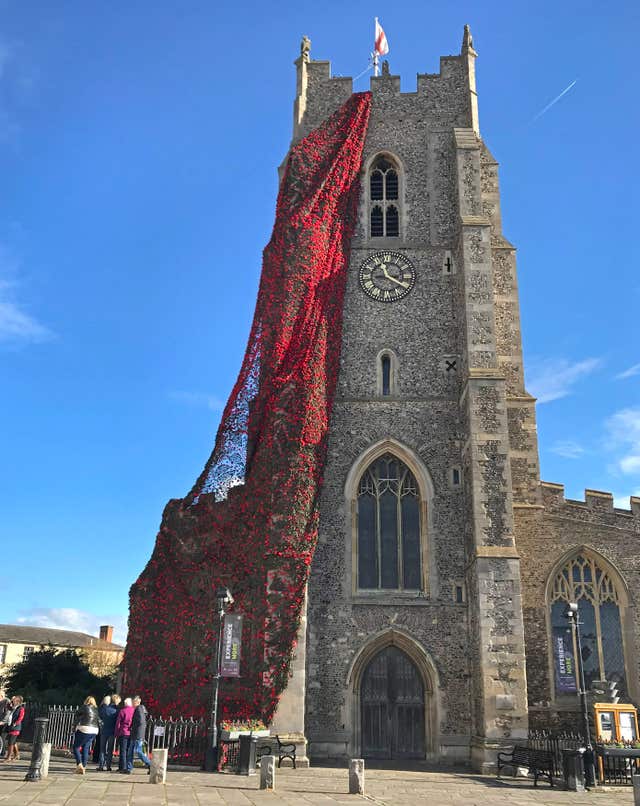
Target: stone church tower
x,y
414,638
434,623
414,644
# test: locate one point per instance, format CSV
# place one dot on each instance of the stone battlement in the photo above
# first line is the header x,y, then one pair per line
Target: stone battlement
x,y
595,502
447,98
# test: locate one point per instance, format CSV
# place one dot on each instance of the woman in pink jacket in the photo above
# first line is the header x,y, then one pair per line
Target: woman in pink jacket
x,y
123,732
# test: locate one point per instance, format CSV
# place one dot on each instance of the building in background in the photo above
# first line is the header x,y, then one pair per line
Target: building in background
x,y
17,642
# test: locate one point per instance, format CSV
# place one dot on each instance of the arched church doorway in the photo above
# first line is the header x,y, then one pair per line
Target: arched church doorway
x,y
392,707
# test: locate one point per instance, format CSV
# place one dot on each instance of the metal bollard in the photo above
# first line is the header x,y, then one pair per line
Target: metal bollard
x,y
37,753
356,776
636,789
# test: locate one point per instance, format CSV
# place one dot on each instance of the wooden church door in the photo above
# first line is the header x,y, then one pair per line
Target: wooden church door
x,y
392,707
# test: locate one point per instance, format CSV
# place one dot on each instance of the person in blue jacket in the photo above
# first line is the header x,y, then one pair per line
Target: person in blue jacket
x,y
108,713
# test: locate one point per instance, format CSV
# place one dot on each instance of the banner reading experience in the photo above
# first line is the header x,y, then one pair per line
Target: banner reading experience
x,y
564,661
231,646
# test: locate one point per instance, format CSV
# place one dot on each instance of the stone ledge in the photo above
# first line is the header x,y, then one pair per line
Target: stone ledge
x,y
506,552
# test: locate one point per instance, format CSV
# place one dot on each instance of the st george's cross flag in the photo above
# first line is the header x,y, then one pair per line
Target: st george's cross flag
x,y
380,46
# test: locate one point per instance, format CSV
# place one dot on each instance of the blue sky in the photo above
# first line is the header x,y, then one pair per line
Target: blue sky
x,y
139,143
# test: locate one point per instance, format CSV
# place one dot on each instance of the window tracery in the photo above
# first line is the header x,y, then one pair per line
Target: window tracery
x,y
388,538
584,580
384,196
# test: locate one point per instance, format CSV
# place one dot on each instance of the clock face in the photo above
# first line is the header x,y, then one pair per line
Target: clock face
x,y
387,276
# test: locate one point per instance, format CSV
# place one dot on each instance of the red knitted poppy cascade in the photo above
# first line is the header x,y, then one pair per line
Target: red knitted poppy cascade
x,y
250,523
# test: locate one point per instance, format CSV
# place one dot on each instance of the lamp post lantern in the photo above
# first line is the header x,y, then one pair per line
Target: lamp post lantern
x,y
574,620
224,599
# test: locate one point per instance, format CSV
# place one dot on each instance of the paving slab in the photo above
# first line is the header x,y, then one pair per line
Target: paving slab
x,y
316,786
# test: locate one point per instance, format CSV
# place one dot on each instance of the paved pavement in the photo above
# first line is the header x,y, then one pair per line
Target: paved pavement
x,y
318,785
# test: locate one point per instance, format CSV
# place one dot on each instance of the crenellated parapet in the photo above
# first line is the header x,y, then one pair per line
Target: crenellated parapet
x,y
448,98
597,506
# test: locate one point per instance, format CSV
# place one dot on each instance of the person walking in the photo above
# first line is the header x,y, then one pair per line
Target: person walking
x,y
138,731
87,727
14,728
5,717
108,713
123,733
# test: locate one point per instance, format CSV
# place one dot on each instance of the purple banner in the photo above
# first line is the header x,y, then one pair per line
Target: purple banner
x,y
231,646
564,661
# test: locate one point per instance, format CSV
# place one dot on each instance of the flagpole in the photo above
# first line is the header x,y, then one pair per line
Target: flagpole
x,y
375,52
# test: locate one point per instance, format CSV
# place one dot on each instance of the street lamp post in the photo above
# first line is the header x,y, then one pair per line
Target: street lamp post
x,y
574,620
224,599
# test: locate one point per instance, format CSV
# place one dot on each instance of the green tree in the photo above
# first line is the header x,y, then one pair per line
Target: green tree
x,y
53,677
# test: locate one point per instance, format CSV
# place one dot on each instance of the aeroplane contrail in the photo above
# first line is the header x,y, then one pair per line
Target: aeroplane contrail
x,y
555,101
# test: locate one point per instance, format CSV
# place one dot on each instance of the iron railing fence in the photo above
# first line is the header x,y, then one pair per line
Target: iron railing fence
x,y
556,742
186,739
616,766
61,727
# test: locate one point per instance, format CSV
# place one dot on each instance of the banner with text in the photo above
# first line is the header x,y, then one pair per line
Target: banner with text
x,y
564,661
231,646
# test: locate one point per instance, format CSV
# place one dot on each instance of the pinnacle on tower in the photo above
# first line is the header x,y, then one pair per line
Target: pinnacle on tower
x,y
467,40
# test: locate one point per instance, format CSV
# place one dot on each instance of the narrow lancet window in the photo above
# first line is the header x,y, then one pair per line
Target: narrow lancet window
x,y
385,362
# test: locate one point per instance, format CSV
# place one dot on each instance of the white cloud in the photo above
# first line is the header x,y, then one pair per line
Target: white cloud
x,y
553,378
68,618
198,400
629,373
16,325
568,449
623,429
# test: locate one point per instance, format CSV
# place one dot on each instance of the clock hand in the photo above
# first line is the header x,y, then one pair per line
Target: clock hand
x,y
393,279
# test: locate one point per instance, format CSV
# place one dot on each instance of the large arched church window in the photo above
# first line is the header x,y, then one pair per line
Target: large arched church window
x,y
384,198
388,534
586,581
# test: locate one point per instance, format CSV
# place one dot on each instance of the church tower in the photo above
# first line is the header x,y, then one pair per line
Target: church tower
x,y
414,635
373,497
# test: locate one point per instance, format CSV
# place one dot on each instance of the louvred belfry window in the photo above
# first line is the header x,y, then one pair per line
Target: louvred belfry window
x,y
389,527
384,213
585,581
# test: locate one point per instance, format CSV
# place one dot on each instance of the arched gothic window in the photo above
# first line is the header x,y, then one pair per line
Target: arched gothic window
x,y
585,581
389,555
384,190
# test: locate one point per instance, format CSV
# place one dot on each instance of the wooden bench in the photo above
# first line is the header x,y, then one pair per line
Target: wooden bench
x,y
285,750
538,762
